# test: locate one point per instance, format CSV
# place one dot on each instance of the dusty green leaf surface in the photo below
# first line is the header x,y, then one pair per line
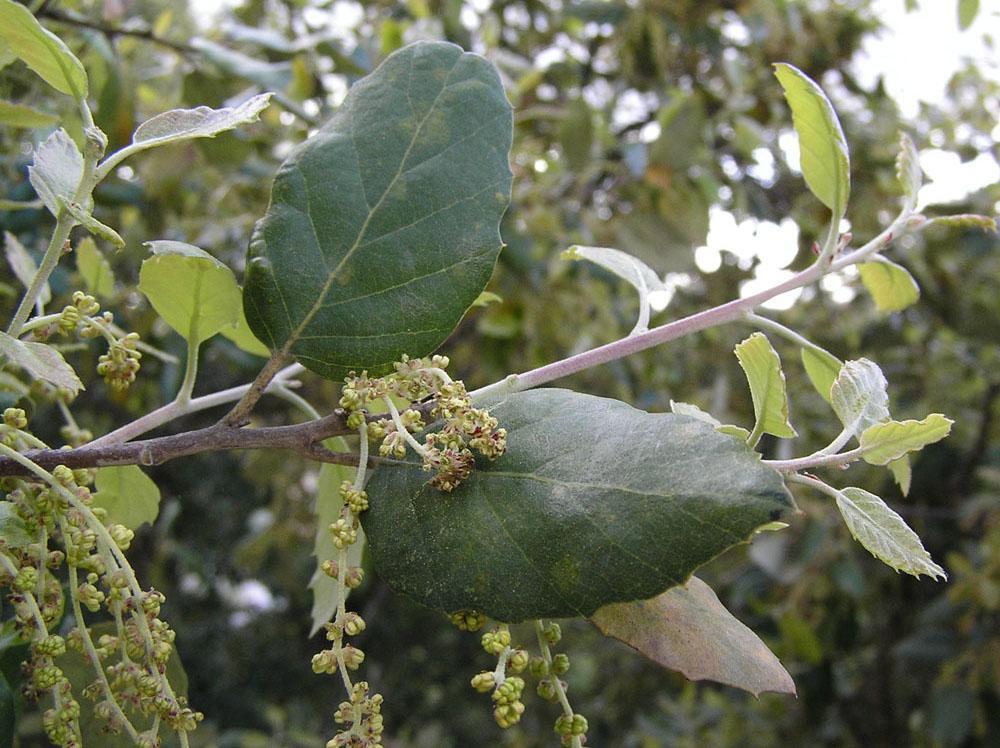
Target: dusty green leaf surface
x,y
594,502
689,630
41,361
383,227
200,122
56,170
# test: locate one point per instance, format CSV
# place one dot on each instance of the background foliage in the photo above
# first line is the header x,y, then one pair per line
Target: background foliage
x,y
654,116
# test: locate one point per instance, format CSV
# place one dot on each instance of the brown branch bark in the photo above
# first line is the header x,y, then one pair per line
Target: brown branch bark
x,y
304,438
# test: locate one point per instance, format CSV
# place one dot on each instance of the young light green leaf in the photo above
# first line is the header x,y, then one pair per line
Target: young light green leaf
x,y
967,12
628,268
94,269
383,228
689,630
201,122
762,366
965,221
908,170
95,227
822,369
859,395
41,50
825,161
14,531
486,298
902,473
242,336
885,442
891,285
23,265
328,506
593,503
884,533
21,115
41,361
128,494
56,170
192,291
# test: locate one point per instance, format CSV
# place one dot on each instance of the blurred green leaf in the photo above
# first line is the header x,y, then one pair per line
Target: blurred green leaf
x,y
94,269
21,115
41,50
128,494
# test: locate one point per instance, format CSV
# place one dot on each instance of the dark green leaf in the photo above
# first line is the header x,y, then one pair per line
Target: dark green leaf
x,y
594,502
687,629
383,228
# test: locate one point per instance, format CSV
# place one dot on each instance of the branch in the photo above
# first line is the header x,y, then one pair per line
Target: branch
x,y
72,19
304,438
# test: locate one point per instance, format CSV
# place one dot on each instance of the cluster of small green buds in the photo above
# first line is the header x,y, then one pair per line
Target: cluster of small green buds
x,y
362,719
120,364
507,697
571,726
15,418
356,499
468,620
496,640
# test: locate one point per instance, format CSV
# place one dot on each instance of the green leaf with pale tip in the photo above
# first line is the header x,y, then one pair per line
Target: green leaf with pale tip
x,y
885,442
884,533
128,494
242,336
902,473
762,366
40,361
56,170
486,298
21,115
689,630
14,531
41,50
593,503
383,227
908,170
328,506
891,285
859,395
192,291
201,122
825,162
822,368
94,269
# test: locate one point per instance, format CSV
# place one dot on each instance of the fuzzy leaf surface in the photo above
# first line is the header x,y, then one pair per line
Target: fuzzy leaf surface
x,y
885,442
41,361
884,534
192,291
689,630
825,162
859,395
891,285
383,227
41,50
593,503
200,122
762,366
56,170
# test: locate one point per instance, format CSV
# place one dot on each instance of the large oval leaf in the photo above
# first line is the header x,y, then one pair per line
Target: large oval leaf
x,y
594,502
383,227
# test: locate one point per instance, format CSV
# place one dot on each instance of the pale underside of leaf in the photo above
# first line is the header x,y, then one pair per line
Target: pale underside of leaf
x,y
201,122
886,442
56,170
884,533
383,227
23,265
41,361
689,630
594,502
859,395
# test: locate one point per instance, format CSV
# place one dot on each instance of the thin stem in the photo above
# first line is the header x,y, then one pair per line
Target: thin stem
x,y
419,448
64,224
240,414
815,461
728,312
543,647
771,325
756,434
815,483
190,373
